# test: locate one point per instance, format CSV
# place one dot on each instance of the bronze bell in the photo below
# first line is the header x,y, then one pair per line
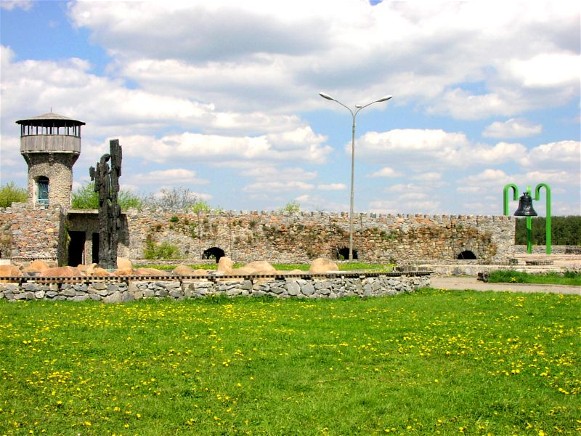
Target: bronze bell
x,y
525,206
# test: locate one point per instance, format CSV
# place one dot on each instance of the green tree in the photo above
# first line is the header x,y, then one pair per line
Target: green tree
x,y
10,193
201,206
85,197
291,207
175,199
565,230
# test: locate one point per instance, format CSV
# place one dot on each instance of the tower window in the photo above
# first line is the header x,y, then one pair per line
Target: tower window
x,y
42,190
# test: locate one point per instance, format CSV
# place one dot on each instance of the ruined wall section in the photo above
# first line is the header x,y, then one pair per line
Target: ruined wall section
x,y
298,238
28,233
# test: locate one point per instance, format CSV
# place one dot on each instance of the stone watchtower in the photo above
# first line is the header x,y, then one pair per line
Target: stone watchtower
x,y
50,144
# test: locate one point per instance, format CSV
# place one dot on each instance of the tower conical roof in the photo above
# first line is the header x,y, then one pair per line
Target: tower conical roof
x,y
50,116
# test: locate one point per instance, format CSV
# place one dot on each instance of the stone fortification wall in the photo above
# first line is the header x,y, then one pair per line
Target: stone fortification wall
x,y
31,233
28,233
298,238
115,292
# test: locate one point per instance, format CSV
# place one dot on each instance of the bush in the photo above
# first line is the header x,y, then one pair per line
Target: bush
x,y
10,193
565,230
85,197
291,207
164,250
175,199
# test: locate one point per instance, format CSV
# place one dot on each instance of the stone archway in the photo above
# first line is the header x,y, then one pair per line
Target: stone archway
x,y
215,252
343,253
466,255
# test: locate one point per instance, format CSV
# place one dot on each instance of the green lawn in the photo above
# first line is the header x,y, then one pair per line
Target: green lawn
x,y
569,278
423,363
343,266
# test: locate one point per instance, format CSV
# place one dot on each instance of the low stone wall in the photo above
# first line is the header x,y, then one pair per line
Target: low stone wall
x,y
278,287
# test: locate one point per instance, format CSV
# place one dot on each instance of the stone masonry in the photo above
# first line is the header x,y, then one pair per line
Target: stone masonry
x,y
58,170
28,233
298,238
117,292
275,237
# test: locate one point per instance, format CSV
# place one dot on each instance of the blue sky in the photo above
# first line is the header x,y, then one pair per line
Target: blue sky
x,y
222,98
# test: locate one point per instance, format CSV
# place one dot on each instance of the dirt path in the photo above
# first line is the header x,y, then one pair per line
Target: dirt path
x,y
463,283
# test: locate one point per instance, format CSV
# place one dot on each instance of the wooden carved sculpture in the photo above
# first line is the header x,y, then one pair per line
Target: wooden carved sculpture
x,y
106,178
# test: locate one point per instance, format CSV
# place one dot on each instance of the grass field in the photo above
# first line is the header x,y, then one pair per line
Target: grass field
x,y
343,266
569,278
431,362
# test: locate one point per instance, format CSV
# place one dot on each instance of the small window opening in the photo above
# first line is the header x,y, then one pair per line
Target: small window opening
x,y
42,191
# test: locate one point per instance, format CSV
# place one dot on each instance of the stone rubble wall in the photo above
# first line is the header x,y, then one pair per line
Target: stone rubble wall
x,y
298,238
28,233
114,292
57,167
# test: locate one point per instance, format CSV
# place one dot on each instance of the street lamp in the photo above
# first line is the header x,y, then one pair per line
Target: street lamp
x,y
354,113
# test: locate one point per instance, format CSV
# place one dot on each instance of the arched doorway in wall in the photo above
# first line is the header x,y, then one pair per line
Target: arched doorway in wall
x,y
343,253
466,255
213,252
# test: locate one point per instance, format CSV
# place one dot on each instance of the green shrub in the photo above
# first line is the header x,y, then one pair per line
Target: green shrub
x,y
291,207
565,230
85,197
10,193
164,250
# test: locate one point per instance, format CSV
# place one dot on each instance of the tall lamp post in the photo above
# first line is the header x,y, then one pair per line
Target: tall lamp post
x,y
352,197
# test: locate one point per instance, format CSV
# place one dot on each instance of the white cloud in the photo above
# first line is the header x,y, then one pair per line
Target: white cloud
x,y
269,178
278,186
512,128
410,140
561,154
332,187
385,172
16,4
497,154
486,178
175,176
557,177
407,206
464,105
253,49
430,177
418,148
547,70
